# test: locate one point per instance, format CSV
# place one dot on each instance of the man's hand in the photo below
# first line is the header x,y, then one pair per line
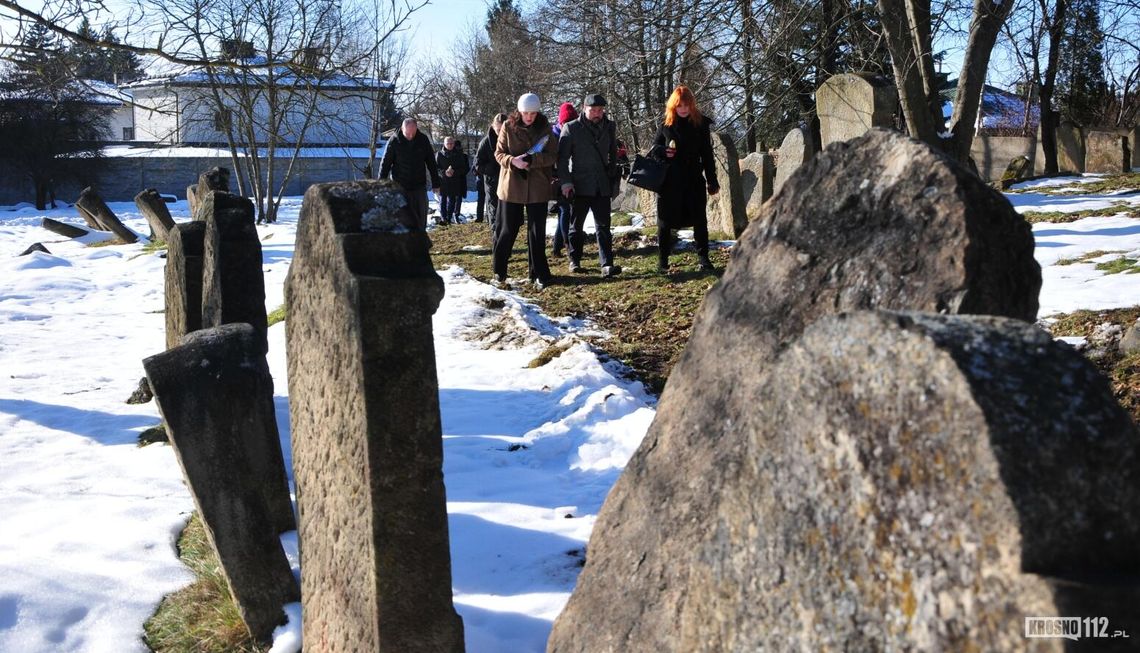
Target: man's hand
x,y
449,172
568,191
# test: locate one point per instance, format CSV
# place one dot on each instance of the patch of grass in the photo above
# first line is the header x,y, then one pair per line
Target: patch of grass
x,y
720,235
1128,210
1119,265
154,246
1086,257
549,354
621,219
201,618
107,243
277,315
648,315
1129,181
1123,372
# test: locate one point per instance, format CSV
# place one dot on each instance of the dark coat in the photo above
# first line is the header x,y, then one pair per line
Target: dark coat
x,y
405,160
515,138
587,156
682,200
485,164
457,159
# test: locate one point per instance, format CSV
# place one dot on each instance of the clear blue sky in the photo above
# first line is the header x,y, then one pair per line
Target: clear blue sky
x,y
436,27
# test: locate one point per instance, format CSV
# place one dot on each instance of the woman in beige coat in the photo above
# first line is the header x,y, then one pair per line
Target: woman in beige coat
x,y
527,153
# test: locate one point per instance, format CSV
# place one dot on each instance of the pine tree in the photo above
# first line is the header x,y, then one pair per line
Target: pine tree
x,y
1081,86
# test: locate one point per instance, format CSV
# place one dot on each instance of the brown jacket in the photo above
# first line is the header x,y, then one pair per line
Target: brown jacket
x,y
515,138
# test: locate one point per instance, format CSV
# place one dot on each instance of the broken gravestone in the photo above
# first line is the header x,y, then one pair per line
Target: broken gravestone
x,y
216,398
233,283
62,228
157,215
880,221
91,204
185,247
364,403
851,103
915,482
35,247
726,209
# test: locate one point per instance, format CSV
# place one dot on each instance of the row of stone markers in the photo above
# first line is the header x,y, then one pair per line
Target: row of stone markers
x,y
367,445
867,444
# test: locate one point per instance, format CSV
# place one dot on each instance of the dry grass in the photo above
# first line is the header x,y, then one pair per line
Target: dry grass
x,y
1122,371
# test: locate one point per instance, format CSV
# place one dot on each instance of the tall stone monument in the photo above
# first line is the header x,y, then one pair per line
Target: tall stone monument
x,y
367,445
725,210
216,397
233,283
185,246
850,104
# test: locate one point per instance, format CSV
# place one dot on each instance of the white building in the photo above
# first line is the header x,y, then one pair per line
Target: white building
x,y
180,108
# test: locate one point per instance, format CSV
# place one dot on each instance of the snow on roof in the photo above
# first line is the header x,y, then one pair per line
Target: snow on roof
x,y
165,73
90,91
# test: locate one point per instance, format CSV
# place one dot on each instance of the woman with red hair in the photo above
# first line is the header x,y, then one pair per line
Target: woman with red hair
x,y
684,139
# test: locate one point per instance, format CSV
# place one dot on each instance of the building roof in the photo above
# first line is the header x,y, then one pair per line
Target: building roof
x,y
253,70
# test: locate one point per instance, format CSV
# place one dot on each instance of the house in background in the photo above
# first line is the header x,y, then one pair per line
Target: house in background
x,y
179,106
999,109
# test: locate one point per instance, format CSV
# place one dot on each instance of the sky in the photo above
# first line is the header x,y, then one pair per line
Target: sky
x,y
437,26
90,520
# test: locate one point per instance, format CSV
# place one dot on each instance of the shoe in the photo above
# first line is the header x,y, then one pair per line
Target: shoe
x,y
611,271
499,281
539,284
706,265
575,267
663,268
557,253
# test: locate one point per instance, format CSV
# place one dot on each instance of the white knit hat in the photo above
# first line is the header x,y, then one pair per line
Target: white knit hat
x,y
529,102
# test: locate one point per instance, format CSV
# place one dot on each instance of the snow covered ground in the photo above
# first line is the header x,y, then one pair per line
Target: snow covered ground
x,y
89,519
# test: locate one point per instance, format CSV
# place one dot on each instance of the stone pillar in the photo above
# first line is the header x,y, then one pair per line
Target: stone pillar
x,y
233,283
153,208
798,147
184,249
216,397
366,433
757,171
1134,147
850,104
726,209
1104,152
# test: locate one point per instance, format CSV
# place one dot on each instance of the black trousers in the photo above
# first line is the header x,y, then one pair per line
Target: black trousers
x,y
600,206
491,190
665,240
418,205
507,230
449,204
480,198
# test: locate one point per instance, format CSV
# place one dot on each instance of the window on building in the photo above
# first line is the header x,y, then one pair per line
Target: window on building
x,y
222,120
128,133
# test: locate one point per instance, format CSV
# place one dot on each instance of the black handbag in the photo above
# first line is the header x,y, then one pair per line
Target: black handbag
x,y
647,173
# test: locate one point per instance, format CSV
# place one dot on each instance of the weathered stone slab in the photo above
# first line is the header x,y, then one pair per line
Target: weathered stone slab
x,y
881,221
757,172
917,482
90,202
798,147
364,404
647,205
185,247
192,201
233,283
726,209
157,215
1134,147
62,228
216,398
216,178
35,247
850,104
1104,152
1070,147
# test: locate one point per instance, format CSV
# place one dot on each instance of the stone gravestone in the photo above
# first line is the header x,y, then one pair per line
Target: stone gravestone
x,y
916,482
364,402
757,171
91,204
185,247
798,147
851,103
216,398
880,221
157,215
192,201
647,205
1018,168
1104,152
726,209
233,284
1070,147
1134,147
62,228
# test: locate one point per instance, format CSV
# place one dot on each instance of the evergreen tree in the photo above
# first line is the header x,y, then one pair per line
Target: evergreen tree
x,y
1082,89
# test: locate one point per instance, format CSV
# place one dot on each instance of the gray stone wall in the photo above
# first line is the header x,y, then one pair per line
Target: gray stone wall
x,y
993,153
119,179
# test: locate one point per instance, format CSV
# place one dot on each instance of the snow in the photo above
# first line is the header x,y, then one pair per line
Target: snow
x,y
87,548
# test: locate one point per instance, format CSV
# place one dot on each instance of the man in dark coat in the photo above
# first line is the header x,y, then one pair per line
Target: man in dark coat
x,y
405,157
587,167
488,168
453,166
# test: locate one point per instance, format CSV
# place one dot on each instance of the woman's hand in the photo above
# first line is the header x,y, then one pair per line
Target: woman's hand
x,y
520,162
670,152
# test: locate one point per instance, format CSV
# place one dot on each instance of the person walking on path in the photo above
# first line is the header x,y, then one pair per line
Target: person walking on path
x,y
405,157
684,139
488,168
566,113
527,152
587,167
453,166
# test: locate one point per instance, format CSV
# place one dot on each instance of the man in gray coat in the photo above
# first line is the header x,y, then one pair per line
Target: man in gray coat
x,y
587,166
